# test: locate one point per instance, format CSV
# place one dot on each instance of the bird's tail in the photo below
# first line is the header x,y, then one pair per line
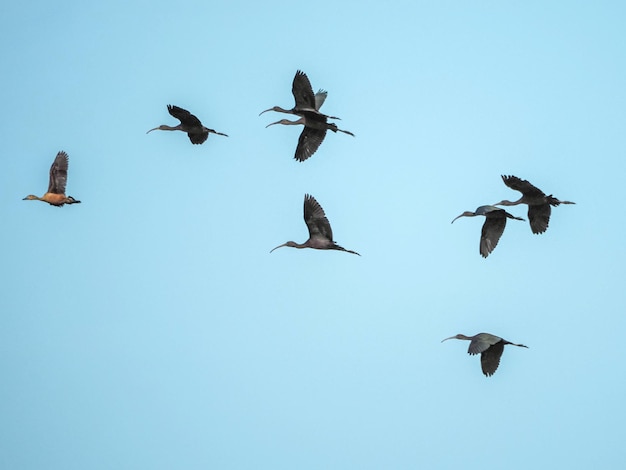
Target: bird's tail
x,y
555,202
333,127
511,216
341,248
518,345
218,133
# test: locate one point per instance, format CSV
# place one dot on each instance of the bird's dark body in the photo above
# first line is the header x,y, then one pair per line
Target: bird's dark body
x,y
197,133
492,229
490,347
320,232
315,123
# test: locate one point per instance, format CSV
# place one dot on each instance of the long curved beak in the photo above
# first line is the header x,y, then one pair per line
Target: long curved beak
x,y
279,246
277,122
451,337
156,128
265,111
464,214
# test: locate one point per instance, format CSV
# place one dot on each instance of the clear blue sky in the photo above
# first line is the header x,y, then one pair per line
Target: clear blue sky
x,y
150,328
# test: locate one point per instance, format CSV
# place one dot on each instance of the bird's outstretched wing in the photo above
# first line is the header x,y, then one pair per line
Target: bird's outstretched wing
x,y
490,359
198,137
522,186
539,217
320,97
315,219
309,141
184,116
481,342
58,174
490,234
303,92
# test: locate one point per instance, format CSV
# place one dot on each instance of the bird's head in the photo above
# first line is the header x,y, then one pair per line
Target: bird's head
x,y
286,122
31,197
464,214
504,203
289,243
274,108
459,336
162,127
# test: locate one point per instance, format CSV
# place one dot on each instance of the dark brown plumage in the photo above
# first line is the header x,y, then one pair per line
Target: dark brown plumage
x,y
189,123
490,348
320,233
493,228
307,107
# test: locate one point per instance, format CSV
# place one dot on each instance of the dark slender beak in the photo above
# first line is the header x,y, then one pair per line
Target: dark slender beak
x,y
464,214
265,111
277,122
451,337
152,130
279,246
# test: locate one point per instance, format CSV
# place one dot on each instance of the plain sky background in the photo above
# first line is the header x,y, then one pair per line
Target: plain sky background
x,y
150,328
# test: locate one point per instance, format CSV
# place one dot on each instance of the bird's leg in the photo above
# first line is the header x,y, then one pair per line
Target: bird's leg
x,y
218,133
341,248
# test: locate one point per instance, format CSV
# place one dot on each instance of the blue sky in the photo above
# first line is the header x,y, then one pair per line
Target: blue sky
x,y
149,327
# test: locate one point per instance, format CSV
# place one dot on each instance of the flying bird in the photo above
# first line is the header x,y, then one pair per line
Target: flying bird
x,y
495,221
307,107
306,101
320,233
189,123
56,187
490,348
538,203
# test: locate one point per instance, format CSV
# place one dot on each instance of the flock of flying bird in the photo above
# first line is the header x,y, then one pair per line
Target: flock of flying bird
x,y
316,125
